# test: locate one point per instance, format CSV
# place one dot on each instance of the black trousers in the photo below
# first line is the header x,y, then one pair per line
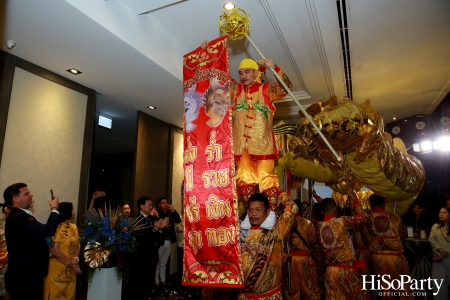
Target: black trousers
x,y
19,290
143,274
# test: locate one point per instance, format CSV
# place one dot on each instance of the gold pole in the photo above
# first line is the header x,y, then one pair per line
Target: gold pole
x,y
236,24
311,121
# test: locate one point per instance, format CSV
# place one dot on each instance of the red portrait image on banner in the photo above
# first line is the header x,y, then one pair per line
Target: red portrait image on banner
x,y
211,246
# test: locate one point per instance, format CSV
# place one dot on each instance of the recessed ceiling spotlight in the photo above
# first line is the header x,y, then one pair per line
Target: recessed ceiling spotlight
x,y
74,71
151,107
406,120
394,118
229,6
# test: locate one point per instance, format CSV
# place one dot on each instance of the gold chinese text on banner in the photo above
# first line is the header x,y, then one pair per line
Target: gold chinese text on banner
x,y
211,250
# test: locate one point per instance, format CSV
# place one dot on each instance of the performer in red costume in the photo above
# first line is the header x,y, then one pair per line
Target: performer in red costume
x,y
254,143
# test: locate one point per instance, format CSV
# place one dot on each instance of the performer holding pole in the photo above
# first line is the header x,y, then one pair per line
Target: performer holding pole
x,y
237,26
254,143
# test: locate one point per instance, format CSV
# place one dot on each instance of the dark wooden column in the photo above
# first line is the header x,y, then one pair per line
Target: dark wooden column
x,y
152,158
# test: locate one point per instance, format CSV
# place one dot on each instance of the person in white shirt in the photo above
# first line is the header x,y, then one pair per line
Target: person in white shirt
x,y
440,243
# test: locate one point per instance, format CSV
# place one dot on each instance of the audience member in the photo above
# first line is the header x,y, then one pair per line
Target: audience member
x,y
98,201
146,256
440,243
419,219
125,210
166,210
341,259
126,268
63,266
303,273
27,247
383,232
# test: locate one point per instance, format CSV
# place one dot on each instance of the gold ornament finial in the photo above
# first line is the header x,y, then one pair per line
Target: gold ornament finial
x,y
235,23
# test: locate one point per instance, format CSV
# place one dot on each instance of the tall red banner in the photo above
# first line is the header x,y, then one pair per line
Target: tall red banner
x,y
211,245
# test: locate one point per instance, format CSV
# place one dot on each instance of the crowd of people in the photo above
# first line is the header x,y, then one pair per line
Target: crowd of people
x,y
42,260
331,256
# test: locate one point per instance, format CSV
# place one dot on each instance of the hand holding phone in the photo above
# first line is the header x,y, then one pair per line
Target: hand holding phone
x,y
54,203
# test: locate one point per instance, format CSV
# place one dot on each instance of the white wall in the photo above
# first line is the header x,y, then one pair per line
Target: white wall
x,y
44,140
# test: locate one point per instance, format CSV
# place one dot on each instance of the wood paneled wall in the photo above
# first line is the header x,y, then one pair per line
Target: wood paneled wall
x,y
152,159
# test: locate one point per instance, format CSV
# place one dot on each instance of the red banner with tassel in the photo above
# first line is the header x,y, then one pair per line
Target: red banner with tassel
x,y
212,255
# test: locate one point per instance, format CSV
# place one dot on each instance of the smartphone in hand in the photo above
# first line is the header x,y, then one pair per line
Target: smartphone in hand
x,y
51,194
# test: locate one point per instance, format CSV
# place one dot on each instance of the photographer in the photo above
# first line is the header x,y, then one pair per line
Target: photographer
x,y
166,209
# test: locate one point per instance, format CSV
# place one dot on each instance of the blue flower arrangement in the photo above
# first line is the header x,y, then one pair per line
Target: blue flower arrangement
x,y
106,233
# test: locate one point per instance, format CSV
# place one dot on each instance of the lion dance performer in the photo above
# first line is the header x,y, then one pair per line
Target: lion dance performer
x,y
341,276
304,277
384,230
254,143
261,242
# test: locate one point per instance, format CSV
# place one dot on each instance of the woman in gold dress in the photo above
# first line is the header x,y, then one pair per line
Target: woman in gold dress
x,y
63,267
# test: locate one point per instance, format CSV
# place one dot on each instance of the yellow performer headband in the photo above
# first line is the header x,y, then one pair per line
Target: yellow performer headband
x,y
248,63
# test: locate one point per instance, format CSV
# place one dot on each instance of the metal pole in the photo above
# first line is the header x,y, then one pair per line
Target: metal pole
x,y
338,158
349,201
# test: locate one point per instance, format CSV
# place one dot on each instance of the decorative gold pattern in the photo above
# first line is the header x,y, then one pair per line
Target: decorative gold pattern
x,y
363,197
355,130
235,23
95,256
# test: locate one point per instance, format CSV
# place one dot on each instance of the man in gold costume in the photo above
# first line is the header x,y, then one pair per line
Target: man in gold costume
x,y
262,247
254,143
341,277
303,273
383,233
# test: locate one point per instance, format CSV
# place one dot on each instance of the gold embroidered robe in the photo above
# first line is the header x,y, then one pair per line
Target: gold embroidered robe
x,y
263,257
253,117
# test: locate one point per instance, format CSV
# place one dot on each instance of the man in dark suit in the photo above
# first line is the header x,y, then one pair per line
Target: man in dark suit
x,y
146,258
28,252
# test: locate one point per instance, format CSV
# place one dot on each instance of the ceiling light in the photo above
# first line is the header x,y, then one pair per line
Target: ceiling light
x,y
74,71
443,144
151,107
426,146
228,6
394,118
